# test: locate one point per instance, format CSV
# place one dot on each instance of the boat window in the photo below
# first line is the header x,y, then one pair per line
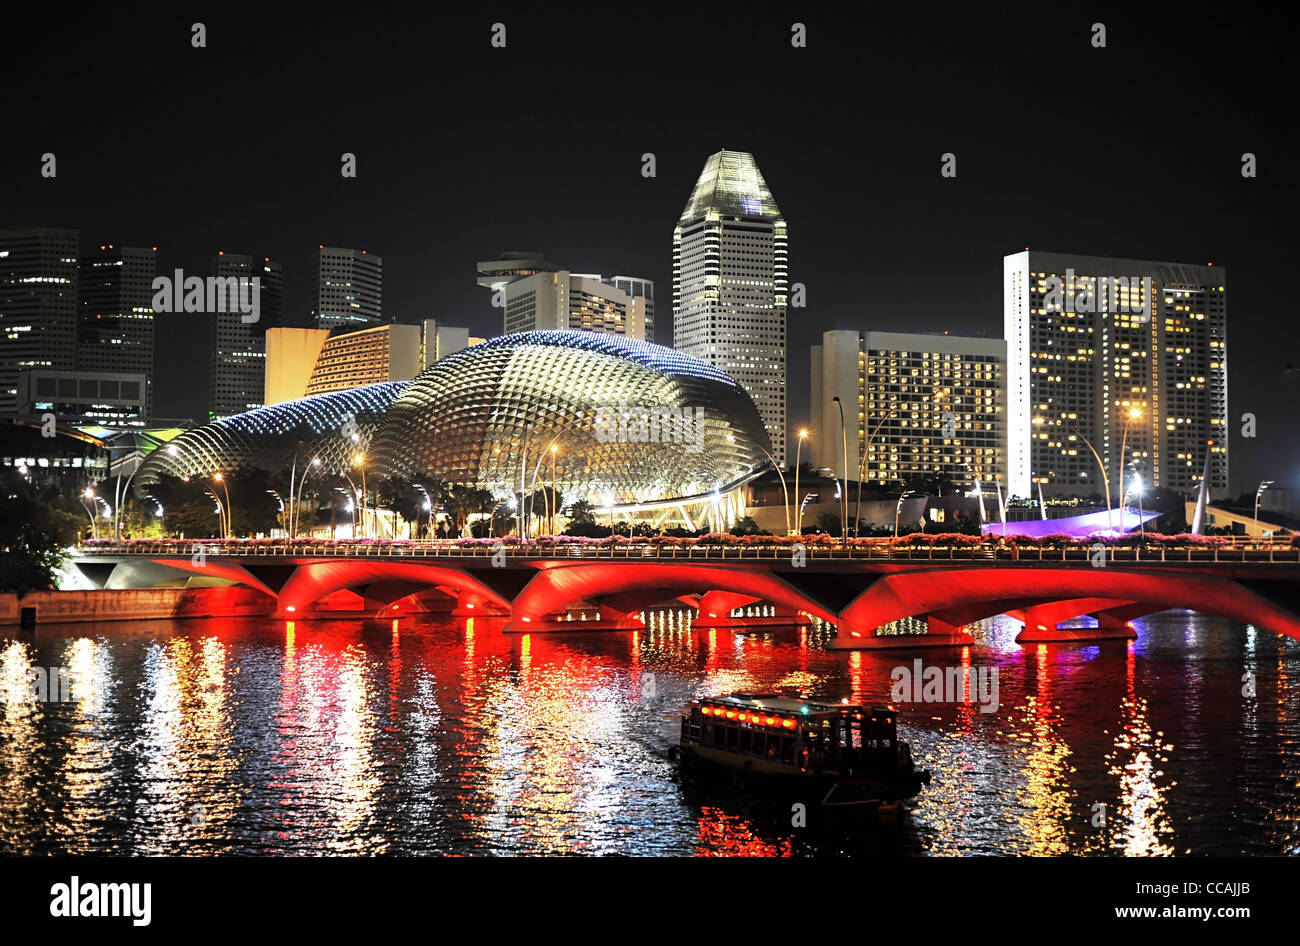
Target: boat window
x,y
746,740
855,735
731,737
787,749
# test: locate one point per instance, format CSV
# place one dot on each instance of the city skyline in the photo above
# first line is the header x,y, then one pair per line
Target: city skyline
x,y
884,244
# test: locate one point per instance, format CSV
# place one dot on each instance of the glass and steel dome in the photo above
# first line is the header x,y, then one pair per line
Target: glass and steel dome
x,y
330,426
630,421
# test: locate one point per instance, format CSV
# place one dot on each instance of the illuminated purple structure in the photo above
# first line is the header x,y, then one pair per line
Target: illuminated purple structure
x,y
1093,523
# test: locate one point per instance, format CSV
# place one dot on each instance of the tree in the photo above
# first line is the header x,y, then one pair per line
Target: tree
x,y
34,532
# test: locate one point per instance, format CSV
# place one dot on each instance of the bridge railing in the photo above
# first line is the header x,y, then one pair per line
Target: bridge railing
x,y
1097,554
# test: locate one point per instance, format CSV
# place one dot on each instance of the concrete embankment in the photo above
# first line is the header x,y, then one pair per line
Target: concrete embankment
x,y
71,607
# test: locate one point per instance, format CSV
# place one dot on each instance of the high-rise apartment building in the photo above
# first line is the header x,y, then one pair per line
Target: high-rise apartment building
x,y
638,288
916,407
1109,356
577,301
38,305
115,322
729,283
348,289
237,347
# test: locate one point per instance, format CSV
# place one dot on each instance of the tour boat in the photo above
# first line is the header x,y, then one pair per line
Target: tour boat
x,y
833,755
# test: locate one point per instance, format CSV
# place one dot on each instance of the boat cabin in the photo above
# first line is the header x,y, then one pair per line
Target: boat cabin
x,y
806,736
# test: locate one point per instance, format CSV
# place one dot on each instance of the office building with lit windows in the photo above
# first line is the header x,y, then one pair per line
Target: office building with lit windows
x,y
916,407
583,302
729,283
237,348
348,289
1114,356
115,320
38,305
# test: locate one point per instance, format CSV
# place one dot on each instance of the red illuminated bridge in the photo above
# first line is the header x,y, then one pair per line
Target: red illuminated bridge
x,y
862,590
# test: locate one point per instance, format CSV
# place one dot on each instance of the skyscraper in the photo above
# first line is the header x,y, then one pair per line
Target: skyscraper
x,y
729,283
916,407
115,324
237,349
1114,356
348,289
38,305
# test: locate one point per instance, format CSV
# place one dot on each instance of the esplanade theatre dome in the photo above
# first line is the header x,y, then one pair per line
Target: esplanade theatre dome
x,y
601,416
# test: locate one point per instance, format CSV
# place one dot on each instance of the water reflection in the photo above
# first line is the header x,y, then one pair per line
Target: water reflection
x,y
426,735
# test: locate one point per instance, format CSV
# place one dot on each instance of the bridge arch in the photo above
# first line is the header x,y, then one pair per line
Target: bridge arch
x,y
553,589
970,590
314,580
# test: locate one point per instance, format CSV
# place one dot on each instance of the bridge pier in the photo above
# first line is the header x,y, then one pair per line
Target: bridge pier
x,y
1108,628
939,634
716,606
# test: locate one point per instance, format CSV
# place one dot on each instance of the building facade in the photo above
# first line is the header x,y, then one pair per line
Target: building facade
x,y
917,407
348,289
237,348
729,283
38,305
583,302
113,399
115,330
301,361
1114,356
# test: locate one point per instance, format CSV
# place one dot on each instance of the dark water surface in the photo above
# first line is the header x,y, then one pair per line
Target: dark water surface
x,y
432,735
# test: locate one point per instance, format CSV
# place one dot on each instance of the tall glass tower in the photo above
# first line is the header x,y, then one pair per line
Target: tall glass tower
x,y
729,283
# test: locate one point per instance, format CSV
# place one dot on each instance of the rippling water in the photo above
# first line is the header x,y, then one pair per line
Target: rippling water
x,y
421,736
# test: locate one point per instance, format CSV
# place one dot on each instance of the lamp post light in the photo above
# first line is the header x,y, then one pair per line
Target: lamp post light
x,y
1134,413
844,450
226,523
554,512
609,501
862,468
1258,493
90,511
315,462
803,435
899,508
359,461
1137,488
1105,477
731,438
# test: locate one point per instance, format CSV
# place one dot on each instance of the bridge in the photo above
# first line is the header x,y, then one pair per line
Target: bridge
x,y
863,589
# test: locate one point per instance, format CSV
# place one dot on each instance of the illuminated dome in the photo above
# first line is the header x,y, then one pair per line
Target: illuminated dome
x,y
628,419
267,437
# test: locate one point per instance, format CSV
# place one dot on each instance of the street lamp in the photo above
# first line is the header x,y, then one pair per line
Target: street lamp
x,y
803,435
844,449
731,438
1137,488
1134,413
315,462
359,461
1259,492
90,494
1105,478
899,509
862,468
226,521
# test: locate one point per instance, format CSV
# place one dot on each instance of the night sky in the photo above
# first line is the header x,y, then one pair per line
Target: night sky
x,y
465,151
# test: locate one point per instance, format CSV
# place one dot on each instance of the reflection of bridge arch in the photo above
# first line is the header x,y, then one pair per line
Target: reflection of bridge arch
x,y
555,588
1122,593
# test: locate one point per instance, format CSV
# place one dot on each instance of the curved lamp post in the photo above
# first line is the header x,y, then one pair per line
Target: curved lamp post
x,y
862,468
844,449
803,435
